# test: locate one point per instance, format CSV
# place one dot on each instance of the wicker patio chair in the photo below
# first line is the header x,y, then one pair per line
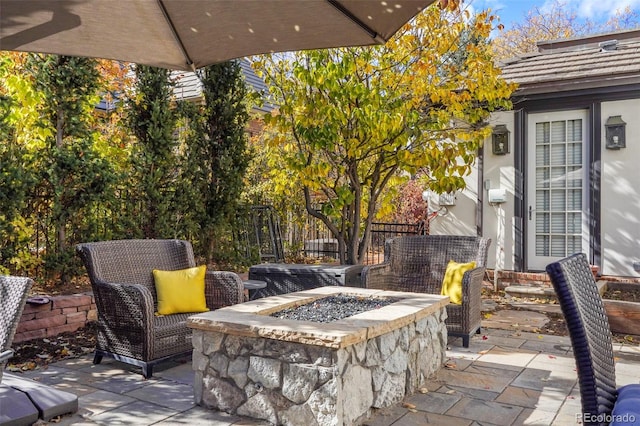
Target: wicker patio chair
x,y
123,286
13,296
584,312
417,263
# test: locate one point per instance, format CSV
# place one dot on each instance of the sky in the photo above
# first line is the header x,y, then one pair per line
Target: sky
x,y
511,11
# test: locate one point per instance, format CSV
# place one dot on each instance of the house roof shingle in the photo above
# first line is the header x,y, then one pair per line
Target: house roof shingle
x,y
189,87
597,61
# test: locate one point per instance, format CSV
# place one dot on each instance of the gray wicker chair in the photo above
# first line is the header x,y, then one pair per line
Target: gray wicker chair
x,y
13,296
123,286
417,263
583,309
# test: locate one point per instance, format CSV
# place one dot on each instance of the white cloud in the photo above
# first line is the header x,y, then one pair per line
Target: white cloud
x,y
471,7
593,9
515,11
474,6
494,5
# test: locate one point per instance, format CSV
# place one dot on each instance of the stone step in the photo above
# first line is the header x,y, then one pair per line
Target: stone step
x,y
49,402
530,291
16,409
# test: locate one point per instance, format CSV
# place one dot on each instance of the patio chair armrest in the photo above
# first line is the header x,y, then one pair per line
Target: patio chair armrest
x,y
5,355
223,288
467,317
122,305
376,276
472,285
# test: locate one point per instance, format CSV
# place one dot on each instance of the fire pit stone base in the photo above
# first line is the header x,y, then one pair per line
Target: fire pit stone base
x,y
317,382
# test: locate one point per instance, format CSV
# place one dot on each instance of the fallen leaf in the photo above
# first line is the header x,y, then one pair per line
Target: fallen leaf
x,y
484,337
450,392
540,337
552,357
450,365
483,352
413,410
408,405
29,366
423,390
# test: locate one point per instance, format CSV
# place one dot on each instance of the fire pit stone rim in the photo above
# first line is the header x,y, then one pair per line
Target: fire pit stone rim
x,y
252,319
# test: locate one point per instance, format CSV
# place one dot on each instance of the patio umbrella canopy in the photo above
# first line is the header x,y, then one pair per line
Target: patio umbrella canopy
x,y
188,34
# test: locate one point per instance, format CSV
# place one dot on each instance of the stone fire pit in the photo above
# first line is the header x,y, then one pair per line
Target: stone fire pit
x,y
309,373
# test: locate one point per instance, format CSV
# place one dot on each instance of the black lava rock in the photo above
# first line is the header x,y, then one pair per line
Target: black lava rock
x,y
333,308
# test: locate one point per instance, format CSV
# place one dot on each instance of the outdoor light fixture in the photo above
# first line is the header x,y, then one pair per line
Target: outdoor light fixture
x,y
500,138
615,132
447,199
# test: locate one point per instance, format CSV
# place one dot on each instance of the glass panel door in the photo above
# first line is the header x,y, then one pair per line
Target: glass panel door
x,y
556,187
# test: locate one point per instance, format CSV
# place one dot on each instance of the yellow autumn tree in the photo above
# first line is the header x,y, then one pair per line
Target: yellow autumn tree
x,y
557,20
352,121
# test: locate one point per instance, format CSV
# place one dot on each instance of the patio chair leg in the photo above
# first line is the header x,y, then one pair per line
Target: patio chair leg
x,y
465,341
147,371
97,358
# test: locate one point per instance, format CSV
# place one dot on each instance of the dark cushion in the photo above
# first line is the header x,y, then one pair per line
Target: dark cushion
x,y
626,410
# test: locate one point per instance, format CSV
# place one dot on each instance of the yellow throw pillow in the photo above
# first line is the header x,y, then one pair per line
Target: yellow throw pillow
x,y
452,282
180,291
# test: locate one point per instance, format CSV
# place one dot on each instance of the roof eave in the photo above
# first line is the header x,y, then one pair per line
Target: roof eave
x,y
582,83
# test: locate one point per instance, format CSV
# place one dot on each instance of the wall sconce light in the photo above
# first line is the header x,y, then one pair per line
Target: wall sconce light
x,y
500,138
615,132
447,199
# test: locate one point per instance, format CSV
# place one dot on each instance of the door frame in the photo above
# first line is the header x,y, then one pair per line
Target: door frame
x,y
533,260
593,159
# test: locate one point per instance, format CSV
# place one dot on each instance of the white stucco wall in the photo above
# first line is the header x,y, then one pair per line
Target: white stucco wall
x,y
498,219
620,198
620,202
497,223
460,218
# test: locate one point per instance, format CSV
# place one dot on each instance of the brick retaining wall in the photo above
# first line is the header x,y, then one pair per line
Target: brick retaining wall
x,y
509,278
69,313
60,314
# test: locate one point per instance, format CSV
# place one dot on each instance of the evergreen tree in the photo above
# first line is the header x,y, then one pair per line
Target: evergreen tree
x,y
73,176
153,122
16,181
218,156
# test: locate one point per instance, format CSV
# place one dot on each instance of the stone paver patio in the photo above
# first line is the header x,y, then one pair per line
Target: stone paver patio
x,y
505,377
